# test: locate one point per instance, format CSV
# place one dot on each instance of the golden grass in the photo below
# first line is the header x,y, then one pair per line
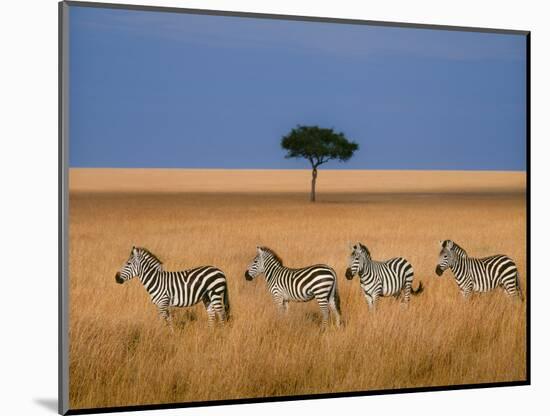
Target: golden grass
x,y
331,181
121,354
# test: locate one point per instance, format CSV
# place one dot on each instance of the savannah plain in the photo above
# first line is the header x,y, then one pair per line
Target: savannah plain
x,y
122,354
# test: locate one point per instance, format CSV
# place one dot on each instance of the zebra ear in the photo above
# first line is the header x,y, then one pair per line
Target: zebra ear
x,y
134,250
446,244
440,243
259,250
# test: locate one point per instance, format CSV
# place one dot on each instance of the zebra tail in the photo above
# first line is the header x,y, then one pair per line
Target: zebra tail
x,y
335,293
337,298
418,290
519,287
226,305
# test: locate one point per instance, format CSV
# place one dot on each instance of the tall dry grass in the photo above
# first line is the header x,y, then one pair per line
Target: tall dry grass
x,y
121,354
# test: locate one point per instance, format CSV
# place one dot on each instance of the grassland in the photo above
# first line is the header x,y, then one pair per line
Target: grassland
x,y
121,354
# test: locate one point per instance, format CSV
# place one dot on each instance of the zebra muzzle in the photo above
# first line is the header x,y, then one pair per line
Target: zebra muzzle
x,y
247,276
439,271
119,279
349,274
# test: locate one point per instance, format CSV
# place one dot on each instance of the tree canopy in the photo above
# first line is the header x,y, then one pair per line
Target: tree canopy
x,y
318,145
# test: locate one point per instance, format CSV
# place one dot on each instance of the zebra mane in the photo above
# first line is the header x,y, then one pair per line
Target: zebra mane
x,y
149,254
273,254
457,249
365,250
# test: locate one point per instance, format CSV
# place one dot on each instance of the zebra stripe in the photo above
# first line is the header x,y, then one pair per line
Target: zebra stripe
x,y
381,278
179,288
478,275
297,285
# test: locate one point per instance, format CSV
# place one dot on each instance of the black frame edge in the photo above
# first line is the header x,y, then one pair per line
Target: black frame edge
x,y
318,19
528,202
295,398
63,196
60,357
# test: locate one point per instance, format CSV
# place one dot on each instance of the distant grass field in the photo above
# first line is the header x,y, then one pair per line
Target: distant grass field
x,y
121,353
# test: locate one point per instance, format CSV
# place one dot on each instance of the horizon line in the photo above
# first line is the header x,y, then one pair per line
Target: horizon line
x,y
295,169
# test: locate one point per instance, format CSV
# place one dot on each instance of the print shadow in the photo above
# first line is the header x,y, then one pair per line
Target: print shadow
x,y
49,404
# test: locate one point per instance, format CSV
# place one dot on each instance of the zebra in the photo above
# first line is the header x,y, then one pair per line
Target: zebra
x,y
478,275
297,285
381,278
181,288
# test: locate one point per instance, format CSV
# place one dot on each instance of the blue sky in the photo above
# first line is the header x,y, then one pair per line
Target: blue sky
x,y
152,89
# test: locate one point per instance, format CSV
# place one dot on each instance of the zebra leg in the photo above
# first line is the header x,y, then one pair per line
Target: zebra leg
x,y
211,315
323,305
220,312
334,310
218,307
512,288
374,301
164,313
209,310
285,307
466,293
281,303
371,301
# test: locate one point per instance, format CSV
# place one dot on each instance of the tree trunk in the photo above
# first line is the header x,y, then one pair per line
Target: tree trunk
x,y
313,179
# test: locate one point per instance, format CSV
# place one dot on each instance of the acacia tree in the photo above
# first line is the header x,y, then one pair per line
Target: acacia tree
x,y
318,146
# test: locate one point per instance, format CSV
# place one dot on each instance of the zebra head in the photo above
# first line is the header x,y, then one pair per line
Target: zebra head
x,y
257,266
447,256
131,268
357,258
